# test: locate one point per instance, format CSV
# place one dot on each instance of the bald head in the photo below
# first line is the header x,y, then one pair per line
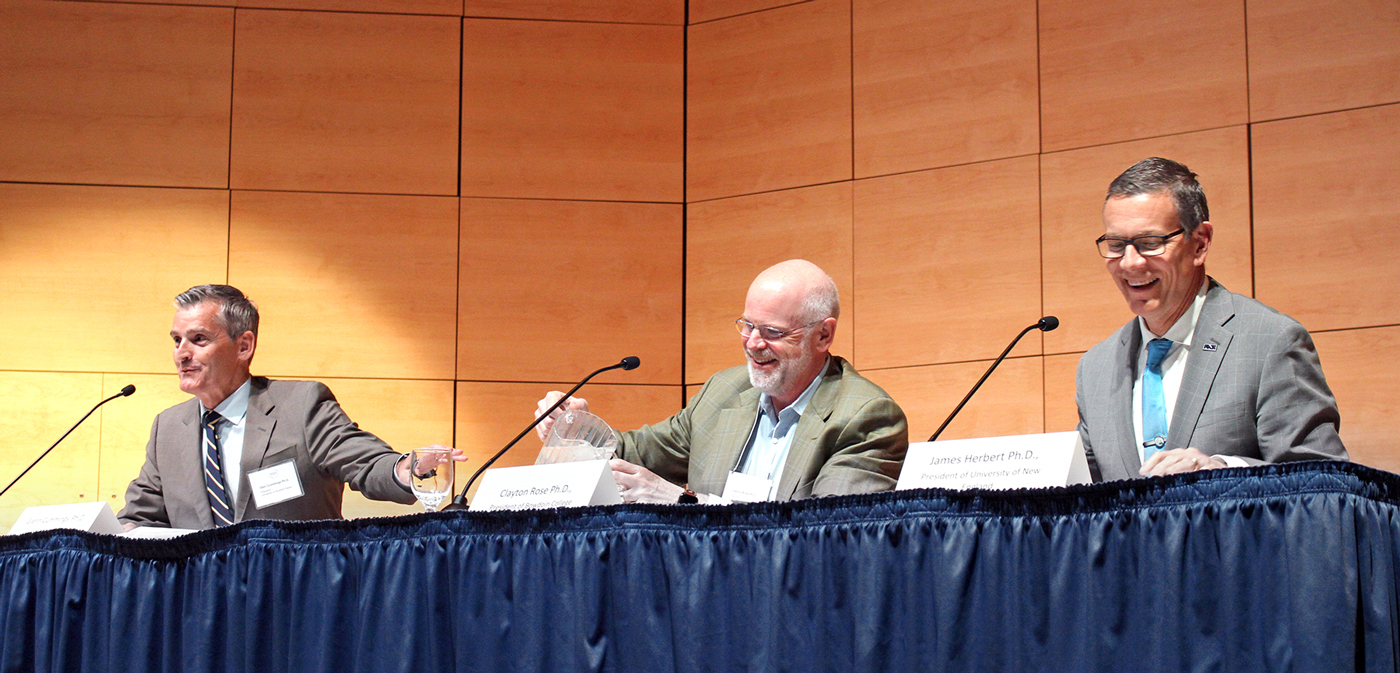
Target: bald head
x,y
800,286
799,299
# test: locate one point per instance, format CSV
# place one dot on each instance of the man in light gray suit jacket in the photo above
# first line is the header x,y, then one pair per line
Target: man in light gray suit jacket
x,y
795,422
273,449
1203,378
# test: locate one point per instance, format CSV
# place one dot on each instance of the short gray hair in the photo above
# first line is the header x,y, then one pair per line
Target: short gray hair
x,y
1156,175
237,312
822,302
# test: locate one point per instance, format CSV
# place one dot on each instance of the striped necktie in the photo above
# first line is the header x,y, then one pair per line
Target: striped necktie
x,y
214,472
1154,401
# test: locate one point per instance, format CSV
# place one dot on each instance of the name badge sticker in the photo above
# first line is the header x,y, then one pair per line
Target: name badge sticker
x,y
275,484
742,487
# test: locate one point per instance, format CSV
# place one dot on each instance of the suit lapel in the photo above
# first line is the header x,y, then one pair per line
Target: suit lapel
x,y
732,431
1208,346
808,430
1121,392
257,434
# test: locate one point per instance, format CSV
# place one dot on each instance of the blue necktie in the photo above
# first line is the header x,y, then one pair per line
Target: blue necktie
x,y
214,472
1154,402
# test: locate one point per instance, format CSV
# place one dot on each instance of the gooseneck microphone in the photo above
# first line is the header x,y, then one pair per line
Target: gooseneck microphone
x,y
1045,324
129,389
460,501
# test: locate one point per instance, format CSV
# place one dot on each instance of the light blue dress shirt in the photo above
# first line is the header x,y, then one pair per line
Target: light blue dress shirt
x,y
766,452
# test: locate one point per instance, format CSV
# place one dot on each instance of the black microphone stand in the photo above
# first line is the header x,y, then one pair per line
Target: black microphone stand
x,y
129,389
1045,324
460,501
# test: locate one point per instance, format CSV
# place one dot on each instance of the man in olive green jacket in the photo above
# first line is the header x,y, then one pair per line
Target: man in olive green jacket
x,y
795,422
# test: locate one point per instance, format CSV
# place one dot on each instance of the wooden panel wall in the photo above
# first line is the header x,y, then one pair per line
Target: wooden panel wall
x,y
115,94
448,207
785,69
982,137
317,155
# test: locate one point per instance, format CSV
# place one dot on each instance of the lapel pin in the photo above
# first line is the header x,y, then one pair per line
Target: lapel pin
x,y
1209,347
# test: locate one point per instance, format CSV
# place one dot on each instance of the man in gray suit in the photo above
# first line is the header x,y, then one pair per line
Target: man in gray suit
x,y
1203,378
795,422
246,447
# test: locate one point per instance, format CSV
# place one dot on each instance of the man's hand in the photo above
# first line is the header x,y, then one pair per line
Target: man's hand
x,y
574,404
128,527
638,484
1179,460
401,468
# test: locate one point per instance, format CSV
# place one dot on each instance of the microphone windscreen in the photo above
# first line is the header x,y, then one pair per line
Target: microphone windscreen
x,y
631,362
1048,323
129,389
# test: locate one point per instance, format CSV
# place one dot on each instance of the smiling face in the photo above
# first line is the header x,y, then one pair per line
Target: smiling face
x,y
211,364
1158,289
785,367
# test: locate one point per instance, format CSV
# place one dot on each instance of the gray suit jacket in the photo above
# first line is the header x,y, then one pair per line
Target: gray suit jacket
x,y
287,420
851,437
1253,388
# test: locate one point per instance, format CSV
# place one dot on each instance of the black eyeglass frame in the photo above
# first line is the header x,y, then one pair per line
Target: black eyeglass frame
x,y
1161,248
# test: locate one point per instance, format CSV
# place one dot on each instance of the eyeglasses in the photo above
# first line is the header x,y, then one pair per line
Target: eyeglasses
x,y
769,332
1147,246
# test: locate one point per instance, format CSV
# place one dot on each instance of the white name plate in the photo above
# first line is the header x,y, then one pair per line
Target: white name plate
x,y
1015,461
577,484
156,533
93,517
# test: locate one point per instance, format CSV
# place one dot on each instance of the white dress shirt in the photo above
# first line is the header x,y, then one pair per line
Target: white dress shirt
x,y
234,409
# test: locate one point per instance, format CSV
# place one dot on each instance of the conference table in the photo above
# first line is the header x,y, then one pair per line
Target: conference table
x,y
1276,568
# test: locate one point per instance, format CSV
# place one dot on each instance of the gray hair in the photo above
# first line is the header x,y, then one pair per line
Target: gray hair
x,y
822,302
1157,175
237,312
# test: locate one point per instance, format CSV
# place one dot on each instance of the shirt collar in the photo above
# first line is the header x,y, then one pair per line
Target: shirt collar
x,y
765,403
235,406
1180,331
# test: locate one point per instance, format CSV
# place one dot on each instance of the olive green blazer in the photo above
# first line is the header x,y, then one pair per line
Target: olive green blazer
x,y
850,439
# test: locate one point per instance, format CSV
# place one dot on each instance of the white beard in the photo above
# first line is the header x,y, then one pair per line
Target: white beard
x,y
766,382
780,378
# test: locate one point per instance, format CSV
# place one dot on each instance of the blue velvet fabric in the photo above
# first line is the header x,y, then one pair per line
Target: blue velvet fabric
x,y
1277,568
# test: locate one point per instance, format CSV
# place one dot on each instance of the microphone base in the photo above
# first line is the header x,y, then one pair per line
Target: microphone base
x,y
458,504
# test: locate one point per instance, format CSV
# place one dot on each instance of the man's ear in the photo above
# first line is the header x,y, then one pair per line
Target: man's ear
x,y
1201,239
247,344
826,332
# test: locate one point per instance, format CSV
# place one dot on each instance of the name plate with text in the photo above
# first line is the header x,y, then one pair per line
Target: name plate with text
x,y
576,484
93,517
1015,461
